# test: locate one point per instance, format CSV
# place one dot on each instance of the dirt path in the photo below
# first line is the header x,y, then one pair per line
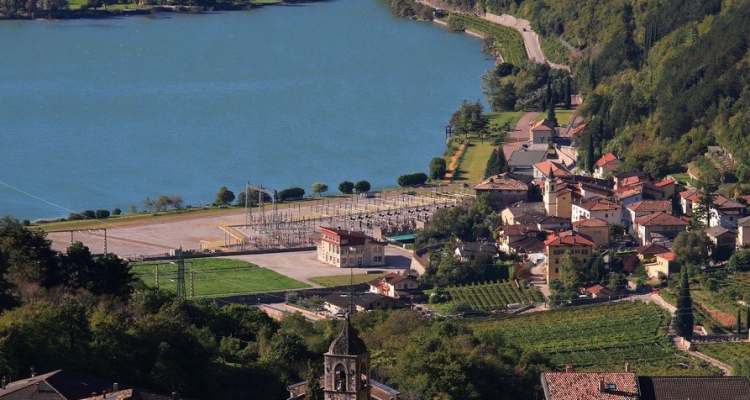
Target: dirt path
x,y
518,135
530,38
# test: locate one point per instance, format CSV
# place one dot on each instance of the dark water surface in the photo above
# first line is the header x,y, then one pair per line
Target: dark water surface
x,y
102,113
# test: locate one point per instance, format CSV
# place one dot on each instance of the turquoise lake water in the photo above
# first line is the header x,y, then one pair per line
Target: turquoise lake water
x,y
102,113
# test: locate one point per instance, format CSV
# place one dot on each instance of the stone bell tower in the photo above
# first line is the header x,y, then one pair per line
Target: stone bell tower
x,y
347,367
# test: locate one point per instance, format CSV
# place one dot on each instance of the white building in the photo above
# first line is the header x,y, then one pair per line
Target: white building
x,y
342,249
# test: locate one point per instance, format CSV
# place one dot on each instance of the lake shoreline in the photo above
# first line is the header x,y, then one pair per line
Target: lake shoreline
x,y
157,9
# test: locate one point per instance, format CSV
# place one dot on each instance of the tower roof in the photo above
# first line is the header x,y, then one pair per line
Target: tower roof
x,y
348,342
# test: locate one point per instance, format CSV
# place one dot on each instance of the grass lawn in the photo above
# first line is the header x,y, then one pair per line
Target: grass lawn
x,y
76,4
501,118
342,280
216,277
563,116
472,165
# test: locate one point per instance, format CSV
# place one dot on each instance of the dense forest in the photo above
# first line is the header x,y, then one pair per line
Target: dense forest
x,y
662,80
108,324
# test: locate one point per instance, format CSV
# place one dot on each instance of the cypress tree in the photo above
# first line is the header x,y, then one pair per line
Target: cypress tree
x,y
568,93
747,318
496,164
739,321
590,155
551,111
684,319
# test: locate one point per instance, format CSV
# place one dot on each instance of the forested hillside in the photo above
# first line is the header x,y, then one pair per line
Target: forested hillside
x,y
665,78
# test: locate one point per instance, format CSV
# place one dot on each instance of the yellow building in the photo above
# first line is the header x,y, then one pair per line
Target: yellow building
x,y
662,263
558,198
594,229
556,246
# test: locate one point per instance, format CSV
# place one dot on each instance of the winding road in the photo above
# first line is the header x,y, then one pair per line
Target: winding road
x,y
530,38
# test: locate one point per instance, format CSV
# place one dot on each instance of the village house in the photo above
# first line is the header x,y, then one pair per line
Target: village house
x,y
512,214
545,169
607,165
597,207
553,224
393,285
687,199
469,250
625,179
648,252
505,189
556,246
743,235
541,132
629,194
658,227
667,187
342,248
521,161
726,212
594,229
508,234
597,291
721,236
662,264
558,197
645,207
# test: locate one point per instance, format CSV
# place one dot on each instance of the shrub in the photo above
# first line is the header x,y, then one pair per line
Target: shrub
x,y
437,168
362,186
293,193
415,179
116,211
88,214
102,214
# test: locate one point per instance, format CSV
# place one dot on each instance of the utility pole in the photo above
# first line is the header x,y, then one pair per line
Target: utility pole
x,y
105,241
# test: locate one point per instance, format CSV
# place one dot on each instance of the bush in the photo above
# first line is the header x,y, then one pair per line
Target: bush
x,y
437,168
102,214
362,186
415,179
74,217
116,211
88,214
293,193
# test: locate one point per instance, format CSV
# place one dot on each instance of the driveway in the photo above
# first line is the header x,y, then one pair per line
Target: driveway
x,y
519,135
303,265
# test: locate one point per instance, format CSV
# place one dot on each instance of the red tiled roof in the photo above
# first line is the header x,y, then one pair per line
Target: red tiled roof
x,y
723,203
599,204
518,230
391,278
568,238
689,193
651,205
669,256
607,158
659,219
578,130
346,238
586,385
543,125
665,182
546,166
590,222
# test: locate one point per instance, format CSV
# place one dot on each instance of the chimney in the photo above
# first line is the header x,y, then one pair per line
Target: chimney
x,y
116,387
37,387
175,396
627,367
568,367
5,381
601,385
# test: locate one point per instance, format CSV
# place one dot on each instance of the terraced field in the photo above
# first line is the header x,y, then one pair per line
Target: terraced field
x,y
494,295
726,352
600,337
508,41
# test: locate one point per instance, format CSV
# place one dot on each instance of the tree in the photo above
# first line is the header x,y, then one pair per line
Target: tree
x,y
683,316
691,247
568,92
116,211
739,321
293,193
319,188
176,202
224,196
163,202
617,282
362,186
133,209
314,391
437,168
496,163
551,111
346,187
102,214
590,163
570,271
415,179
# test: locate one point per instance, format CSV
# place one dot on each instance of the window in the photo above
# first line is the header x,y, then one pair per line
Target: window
x,y
339,378
557,270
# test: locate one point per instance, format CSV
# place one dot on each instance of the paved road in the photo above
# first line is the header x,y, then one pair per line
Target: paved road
x,y
518,135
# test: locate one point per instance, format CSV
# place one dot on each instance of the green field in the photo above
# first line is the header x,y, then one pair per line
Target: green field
x,y
474,160
342,280
726,352
600,338
493,295
563,116
508,41
499,119
217,277
717,310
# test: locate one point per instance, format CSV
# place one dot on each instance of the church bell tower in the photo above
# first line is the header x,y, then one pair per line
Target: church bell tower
x,y
347,367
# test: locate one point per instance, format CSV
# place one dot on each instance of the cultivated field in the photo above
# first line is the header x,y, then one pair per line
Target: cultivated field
x,y
726,352
494,295
215,277
508,41
597,338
